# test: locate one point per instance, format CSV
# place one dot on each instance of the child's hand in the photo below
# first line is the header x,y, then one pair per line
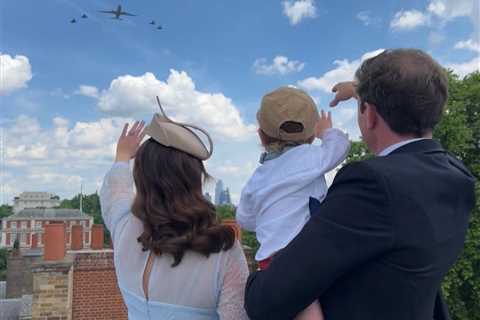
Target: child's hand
x,y
344,91
128,142
323,124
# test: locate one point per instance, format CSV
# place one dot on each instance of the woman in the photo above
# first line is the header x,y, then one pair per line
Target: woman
x,y
173,259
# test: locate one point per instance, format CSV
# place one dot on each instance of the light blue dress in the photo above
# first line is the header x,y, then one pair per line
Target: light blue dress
x,y
199,288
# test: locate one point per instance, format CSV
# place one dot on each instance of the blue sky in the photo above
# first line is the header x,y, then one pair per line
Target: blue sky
x,y
66,89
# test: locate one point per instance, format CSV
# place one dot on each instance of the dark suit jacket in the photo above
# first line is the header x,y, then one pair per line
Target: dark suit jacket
x,y
378,246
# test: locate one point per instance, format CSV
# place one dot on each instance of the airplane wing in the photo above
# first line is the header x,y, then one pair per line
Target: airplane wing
x,y
127,14
111,11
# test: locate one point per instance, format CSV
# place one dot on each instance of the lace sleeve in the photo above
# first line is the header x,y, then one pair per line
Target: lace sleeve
x,y
116,195
230,306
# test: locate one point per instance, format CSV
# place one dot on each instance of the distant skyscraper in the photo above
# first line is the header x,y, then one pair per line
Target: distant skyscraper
x,y
226,197
218,192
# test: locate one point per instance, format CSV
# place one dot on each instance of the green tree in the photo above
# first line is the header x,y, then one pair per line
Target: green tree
x,y
5,211
459,133
90,206
248,238
3,263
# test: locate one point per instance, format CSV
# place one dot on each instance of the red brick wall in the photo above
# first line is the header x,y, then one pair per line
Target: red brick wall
x,y
95,291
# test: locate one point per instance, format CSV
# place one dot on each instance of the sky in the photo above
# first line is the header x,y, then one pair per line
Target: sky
x,y
66,89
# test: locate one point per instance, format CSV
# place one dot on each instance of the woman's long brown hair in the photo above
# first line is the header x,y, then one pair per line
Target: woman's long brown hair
x,y
169,201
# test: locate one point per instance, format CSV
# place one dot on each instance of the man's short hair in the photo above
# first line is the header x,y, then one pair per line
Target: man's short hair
x,y
408,88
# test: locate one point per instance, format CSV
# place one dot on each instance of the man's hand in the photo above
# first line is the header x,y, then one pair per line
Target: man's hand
x,y
323,124
128,143
344,91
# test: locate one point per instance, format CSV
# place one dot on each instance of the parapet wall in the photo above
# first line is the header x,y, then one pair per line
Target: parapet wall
x,y
95,291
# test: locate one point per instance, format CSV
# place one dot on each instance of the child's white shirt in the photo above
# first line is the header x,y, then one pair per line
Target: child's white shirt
x,y
274,203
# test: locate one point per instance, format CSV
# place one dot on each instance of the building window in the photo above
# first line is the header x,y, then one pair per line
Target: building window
x,y
23,238
23,225
38,224
14,237
14,225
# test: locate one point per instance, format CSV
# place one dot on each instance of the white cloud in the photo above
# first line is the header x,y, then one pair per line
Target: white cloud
x,y
56,157
438,13
366,18
469,44
15,73
296,11
410,19
344,71
280,65
135,96
84,143
88,91
437,8
464,68
449,9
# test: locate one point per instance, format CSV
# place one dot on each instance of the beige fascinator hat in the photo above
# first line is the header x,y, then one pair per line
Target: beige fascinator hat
x,y
178,135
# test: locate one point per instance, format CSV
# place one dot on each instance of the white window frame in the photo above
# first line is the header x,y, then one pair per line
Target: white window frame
x,y
23,225
13,225
23,238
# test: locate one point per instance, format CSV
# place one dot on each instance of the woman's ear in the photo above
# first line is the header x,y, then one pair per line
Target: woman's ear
x,y
371,115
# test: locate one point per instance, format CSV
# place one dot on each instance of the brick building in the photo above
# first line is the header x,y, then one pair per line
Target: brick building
x,y
27,226
65,284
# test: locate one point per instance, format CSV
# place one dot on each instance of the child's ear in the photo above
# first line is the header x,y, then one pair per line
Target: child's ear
x,y
261,135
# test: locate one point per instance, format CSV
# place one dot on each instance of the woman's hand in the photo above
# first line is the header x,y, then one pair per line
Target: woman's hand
x,y
128,143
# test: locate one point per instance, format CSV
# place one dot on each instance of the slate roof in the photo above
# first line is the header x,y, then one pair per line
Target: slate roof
x,y
10,309
48,214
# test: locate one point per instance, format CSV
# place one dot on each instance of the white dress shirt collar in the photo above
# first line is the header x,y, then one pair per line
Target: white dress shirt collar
x,y
395,146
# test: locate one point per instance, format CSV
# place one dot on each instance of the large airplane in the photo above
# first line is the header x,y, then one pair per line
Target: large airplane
x,y
117,13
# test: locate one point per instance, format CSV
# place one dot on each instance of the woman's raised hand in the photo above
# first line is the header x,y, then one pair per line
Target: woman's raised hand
x,y
129,141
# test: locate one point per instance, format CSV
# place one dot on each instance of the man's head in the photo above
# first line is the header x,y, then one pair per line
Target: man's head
x,y
401,92
287,115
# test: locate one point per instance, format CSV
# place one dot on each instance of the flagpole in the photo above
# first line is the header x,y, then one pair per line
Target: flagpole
x,y
81,196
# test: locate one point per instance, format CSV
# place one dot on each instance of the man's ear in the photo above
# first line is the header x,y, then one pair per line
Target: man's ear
x,y
371,115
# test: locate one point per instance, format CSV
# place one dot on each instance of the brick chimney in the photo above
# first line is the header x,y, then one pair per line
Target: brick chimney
x,y
97,237
77,237
54,242
232,223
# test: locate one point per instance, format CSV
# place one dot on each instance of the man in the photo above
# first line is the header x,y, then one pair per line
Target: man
x,y
390,227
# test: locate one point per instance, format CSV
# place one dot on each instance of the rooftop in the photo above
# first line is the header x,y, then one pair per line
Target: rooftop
x,y
35,195
48,214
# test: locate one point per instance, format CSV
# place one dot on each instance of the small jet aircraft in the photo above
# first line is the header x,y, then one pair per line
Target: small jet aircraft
x,y
153,22
159,27
84,16
73,20
117,13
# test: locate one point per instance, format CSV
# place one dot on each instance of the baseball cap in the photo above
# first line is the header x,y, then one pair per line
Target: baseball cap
x,y
178,135
288,105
